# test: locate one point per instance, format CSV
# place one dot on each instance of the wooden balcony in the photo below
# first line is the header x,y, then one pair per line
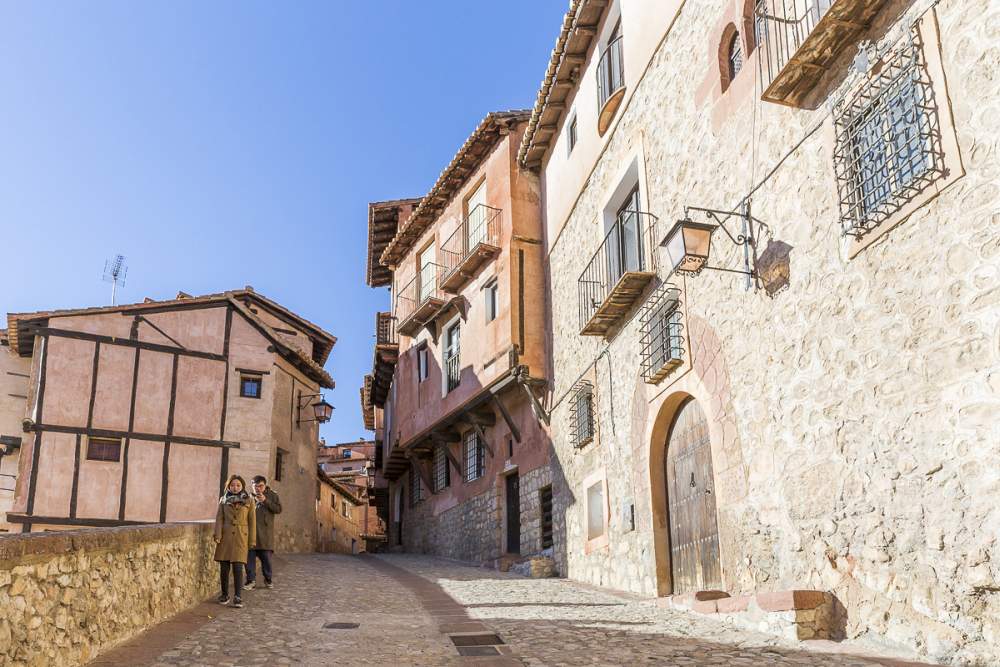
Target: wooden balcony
x,y
386,356
473,244
798,42
419,300
618,273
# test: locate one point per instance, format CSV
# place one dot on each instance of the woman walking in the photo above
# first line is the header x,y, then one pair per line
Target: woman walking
x,y
235,534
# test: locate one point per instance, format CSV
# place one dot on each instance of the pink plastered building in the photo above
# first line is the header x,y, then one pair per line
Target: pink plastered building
x,y
139,413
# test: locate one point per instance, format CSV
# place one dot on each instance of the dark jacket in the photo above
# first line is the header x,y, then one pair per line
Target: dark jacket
x,y
265,519
235,528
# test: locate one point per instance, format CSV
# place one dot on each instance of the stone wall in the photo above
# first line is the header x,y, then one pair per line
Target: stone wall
x,y
473,530
852,415
69,596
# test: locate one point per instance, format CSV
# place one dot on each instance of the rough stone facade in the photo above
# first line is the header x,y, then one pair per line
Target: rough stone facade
x,y
852,415
472,531
69,596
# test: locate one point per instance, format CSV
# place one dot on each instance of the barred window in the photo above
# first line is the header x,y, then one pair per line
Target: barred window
x,y
735,56
581,415
888,140
416,488
662,338
475,463
104,449
442,472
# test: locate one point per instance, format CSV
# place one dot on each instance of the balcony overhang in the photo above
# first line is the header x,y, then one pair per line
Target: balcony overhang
x,y
383,367
421,315
609,109
455,279
795,80
618,302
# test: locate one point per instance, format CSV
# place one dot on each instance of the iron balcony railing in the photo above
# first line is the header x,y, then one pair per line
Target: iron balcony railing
x,y
481,226
629,247
424,287
780,28
385,329
453,371
610,72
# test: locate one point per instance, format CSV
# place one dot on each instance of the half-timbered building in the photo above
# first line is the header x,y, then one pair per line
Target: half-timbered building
x,y
138,413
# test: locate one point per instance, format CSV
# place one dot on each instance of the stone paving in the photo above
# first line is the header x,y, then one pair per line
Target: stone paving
x,y
407,606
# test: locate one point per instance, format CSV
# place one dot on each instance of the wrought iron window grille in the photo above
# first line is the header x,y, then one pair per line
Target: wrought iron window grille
x,y
581,414
661,334
442,473
474,457
889,146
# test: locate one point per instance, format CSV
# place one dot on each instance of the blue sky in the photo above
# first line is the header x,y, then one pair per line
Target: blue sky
x,y
220,144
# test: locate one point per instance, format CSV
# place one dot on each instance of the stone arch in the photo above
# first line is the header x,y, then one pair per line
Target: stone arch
x,y
663,425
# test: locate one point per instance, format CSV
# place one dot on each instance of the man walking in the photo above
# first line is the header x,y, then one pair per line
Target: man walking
x,y
268,504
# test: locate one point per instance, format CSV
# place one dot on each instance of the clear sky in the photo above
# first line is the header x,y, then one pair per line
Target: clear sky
x,y
221,144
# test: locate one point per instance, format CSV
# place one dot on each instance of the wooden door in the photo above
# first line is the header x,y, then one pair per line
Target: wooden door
x,y
513,514
694,530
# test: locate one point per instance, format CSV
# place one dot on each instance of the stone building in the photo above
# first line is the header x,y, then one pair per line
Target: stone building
x,y
352,464
138,413
340,517
810,400
460,360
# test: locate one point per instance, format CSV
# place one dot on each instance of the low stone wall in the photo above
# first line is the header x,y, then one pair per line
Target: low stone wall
x,y
67,596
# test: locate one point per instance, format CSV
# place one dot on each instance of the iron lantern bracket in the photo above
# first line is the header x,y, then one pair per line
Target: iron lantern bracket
x,y
305,404
747,238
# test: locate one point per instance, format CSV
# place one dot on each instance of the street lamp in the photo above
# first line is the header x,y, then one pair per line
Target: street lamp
x,y
688,244
322,411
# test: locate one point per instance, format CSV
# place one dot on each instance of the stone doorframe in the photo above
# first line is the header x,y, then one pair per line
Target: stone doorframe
x,y
666,409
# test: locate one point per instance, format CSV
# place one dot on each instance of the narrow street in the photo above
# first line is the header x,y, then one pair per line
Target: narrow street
x,y
407,608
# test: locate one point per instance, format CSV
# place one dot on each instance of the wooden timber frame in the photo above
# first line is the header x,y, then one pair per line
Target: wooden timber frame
x,y
479,414
45,334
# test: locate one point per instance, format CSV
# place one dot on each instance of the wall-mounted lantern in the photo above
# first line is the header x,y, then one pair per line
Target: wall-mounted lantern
x,y
322,411
689,242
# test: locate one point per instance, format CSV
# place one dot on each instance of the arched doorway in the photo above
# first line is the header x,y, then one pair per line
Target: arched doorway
x,y
690,491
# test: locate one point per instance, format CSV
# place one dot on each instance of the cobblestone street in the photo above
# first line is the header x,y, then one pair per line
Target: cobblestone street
x,y
407,607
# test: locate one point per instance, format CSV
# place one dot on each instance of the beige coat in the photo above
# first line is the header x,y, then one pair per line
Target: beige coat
x,y
235,530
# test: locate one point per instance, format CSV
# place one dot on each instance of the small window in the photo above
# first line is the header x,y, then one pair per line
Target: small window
x,y
347,469
571,135
279,464
545,507
595,510
333,501
735,56
416,490
492,296
104,449
423,367
442,472
345,510
346,454
319,492
250,386
475,450
452,354
582,414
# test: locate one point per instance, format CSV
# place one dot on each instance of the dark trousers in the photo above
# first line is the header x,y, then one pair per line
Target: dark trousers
x,y
224,566
265,564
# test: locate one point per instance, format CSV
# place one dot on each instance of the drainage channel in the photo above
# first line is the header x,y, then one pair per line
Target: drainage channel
x,y
477,645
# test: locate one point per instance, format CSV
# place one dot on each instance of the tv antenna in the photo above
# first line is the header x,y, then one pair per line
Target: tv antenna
x,y
114,273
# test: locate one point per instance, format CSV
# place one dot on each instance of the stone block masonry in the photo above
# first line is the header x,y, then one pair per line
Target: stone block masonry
x,y
67,597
